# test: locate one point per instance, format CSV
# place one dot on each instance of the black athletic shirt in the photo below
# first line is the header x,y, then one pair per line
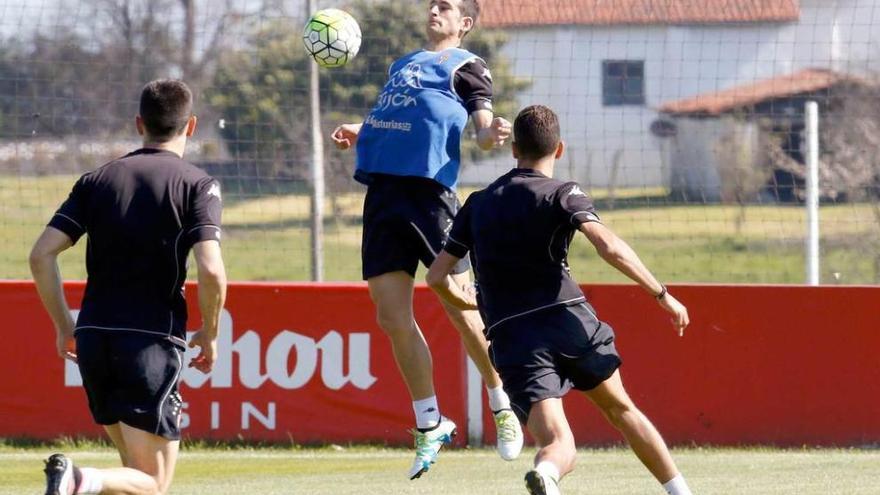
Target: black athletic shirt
x,y
473,84
518,231
143,213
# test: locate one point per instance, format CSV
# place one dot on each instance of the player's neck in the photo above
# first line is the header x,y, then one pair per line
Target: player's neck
x,y
176,146
443,44
544,166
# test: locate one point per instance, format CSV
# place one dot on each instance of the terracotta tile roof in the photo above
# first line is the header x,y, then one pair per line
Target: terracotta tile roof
x,y
805,81
509,13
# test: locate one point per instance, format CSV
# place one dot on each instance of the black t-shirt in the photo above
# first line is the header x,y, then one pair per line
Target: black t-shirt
x,y
518,231
473,84
142,213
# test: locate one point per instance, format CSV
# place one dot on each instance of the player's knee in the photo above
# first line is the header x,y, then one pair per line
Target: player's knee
x,y
393,324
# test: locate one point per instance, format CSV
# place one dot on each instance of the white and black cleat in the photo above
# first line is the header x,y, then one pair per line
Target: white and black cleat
x,y
61,476
538,484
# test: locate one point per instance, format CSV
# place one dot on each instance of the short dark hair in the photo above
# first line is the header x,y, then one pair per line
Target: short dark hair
x,y
536,132
165,108
470,8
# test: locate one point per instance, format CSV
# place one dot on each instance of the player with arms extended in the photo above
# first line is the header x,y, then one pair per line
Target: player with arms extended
x,y
408,154
143,213
545,337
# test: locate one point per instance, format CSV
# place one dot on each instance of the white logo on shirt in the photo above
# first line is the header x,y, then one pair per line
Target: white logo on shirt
x,y
576,191
215,191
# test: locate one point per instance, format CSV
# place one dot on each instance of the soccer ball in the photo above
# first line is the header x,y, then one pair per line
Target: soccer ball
x,y
332,37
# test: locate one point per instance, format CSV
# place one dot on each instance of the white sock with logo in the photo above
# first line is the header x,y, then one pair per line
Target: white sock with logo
x,y
498,399
427,413
91,481
548,469
677,486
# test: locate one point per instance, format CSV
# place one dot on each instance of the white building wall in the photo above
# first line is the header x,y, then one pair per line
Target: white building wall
x,y
564,65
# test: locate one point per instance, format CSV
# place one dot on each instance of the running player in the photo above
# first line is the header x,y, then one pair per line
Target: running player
x,y
545,337
408,154
143,213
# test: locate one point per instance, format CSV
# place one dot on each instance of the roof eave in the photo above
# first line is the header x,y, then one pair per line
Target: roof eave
x,y
708,23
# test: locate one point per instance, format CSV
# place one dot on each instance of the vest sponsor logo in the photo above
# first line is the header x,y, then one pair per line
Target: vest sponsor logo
x,y
389,124
409,76
398,86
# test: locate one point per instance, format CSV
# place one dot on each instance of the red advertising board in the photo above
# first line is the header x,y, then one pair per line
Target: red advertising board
x,y
770,365
296,362
759,365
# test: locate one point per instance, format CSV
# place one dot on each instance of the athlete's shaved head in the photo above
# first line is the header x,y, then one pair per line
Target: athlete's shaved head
x,y
536,132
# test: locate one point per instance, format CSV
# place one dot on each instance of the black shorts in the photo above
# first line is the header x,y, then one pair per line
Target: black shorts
x,y
406,220
545,354
131,378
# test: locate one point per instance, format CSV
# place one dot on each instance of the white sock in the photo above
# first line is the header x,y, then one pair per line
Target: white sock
x,y
498,399
547,468
427,413
677,486
92,481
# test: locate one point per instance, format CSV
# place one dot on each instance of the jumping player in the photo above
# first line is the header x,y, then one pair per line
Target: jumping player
x,y
408,154
545,337
143,213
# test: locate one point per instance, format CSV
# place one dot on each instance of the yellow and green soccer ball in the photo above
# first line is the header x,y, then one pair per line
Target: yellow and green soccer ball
x,y
332,37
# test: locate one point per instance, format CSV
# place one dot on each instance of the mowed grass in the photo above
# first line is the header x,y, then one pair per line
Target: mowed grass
x,y
267,238
362,470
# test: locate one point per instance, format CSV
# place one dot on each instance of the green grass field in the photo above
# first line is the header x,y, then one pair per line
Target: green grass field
x,y
267,238
362,470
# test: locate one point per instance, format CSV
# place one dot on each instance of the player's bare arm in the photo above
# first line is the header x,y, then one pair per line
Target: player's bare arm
x,y
212,295
439,280
345,136
617,253
492,131
47,277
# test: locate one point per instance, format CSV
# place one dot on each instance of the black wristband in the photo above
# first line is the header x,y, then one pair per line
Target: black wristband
x,y
662,293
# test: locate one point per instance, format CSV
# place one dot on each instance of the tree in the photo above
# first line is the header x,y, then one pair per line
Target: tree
x,y
262,90
849,136
261,97
50,88
744,165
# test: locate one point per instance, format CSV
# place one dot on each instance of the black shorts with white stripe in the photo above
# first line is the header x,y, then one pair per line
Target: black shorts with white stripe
x,y
131,378
406,220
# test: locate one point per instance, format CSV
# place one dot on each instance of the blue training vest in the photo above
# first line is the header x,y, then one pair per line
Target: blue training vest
x,y
416,126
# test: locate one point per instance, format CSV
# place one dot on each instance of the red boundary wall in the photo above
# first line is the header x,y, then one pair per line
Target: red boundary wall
x,y
759,365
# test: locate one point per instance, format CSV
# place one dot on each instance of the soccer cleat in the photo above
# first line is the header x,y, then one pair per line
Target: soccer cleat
x,y
509,433
538,484
60,475
428,445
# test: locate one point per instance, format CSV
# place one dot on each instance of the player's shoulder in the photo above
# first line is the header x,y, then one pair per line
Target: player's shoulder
x,y
463,54
466,61
571,188
166,164
565,190
476,196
